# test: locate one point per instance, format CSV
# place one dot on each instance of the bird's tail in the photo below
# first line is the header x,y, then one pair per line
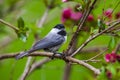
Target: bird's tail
x,y
22,54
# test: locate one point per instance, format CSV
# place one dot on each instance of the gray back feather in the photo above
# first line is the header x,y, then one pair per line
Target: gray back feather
x,y
51,40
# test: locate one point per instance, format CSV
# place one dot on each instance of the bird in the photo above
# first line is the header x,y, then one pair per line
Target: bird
x,y
51,42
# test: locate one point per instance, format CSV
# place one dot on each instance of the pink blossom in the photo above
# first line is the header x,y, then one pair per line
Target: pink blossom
x,y
90,18
108,13
64,0
66,14
109,74
110,57
76,16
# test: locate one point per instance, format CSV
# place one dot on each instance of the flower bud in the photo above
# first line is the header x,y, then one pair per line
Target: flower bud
x,y
108,13
110,57
90,18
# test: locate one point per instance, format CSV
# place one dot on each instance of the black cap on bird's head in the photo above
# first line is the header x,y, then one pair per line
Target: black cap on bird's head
x,y
59,26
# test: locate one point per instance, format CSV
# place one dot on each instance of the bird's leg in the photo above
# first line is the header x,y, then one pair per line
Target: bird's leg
x,y
62,55
54,55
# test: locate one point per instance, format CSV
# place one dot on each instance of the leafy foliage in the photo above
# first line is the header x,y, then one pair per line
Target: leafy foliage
x,y
22,32
32,12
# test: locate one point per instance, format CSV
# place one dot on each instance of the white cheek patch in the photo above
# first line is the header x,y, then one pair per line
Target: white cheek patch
x,y
54,30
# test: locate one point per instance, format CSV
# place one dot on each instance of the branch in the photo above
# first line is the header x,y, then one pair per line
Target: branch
x,y
67,71
38,64
113,10
27,69
117,48
80,25
5,41
9,25
96,71
97,55
93,37
91,60
44,17
48,54
93,49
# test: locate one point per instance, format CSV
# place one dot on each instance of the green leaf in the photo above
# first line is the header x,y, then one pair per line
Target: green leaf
x,y
20,23
112,43
22,37
22,32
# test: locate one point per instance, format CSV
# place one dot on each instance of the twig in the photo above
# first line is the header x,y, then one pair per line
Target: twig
x,y
67,71
96,71
40,24
113,10
9,25
93,50
117,30
94,36
48,54
117,48
111,22
7,56
91,60
12,55
97,55
38,64
80,25
5,41
27,69
44,17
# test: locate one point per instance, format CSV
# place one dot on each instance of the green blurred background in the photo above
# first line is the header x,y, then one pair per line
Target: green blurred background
x,y
31,11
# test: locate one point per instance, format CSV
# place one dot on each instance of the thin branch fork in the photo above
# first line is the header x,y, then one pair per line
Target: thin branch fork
x,y
80,25
96,71
93,37
48,54
44,17
38,64
27,69
9,25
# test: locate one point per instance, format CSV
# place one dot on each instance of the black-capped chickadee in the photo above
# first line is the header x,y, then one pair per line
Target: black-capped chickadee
x,y
51,42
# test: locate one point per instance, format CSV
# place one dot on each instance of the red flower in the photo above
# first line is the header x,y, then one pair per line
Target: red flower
x,y
109,74
108,13
66,14
76,16
117,15
110,57
90,18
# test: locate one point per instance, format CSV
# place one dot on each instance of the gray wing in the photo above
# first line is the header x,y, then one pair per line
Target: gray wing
x,y
48,42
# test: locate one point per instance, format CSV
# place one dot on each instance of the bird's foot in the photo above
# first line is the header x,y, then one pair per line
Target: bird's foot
x,y
53,55
61,54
